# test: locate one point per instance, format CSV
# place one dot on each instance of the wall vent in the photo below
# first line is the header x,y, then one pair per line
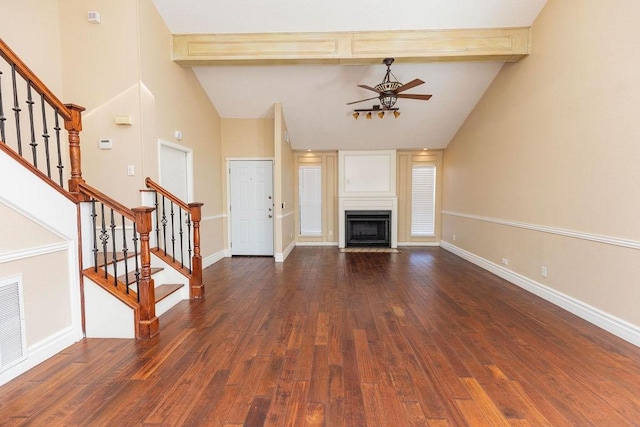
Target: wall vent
x,y
13,348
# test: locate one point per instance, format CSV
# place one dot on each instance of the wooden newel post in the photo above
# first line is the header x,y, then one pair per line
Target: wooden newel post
x,y
74,127
196,288
149,323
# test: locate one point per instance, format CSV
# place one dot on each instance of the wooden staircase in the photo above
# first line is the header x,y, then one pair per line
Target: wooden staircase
x,y
116,248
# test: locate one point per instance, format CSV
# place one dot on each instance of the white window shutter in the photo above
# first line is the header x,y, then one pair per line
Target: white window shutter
x,y
310,195
423,200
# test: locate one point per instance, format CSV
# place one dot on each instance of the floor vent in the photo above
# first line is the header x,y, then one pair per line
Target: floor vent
x,y
12,337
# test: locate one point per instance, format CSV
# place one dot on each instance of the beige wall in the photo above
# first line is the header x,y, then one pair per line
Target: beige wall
x,y
45,280
552,149
32,30
19,232
405,162
248,138
283,181
328,161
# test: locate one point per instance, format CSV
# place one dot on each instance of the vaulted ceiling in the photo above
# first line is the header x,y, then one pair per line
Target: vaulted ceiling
x,y
310,55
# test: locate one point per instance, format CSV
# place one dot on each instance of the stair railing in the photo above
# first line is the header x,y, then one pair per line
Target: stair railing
x,y
121,254
177,233
30,123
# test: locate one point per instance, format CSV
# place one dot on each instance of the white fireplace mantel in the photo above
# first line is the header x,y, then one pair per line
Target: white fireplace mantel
x,y
367,182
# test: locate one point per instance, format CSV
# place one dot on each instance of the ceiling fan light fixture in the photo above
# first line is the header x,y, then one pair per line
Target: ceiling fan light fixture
x,y
396,114
381,114
356,115
368,116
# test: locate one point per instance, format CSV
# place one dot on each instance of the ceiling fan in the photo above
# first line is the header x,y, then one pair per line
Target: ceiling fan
x,y
389,90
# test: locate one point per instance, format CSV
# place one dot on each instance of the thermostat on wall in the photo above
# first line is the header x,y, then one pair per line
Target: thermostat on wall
x,y
106,144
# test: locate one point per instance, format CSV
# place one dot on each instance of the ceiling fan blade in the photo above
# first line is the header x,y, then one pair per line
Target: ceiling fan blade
x,y
369,87
411,96
362,100
412,83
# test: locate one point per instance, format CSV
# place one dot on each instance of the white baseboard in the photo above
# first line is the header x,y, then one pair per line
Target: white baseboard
x,y
317,244
418,243
40,352
212,259
281,257
621,328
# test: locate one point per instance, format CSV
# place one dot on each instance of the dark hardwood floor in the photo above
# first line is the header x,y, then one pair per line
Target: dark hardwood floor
x,y
421,337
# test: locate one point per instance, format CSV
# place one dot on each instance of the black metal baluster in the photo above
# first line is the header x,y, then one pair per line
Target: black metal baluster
x,y
94,215
173,236
157,220
135,253
57,128
125,250
16,108
189,238
33,143
181,232
45,135
2,117
164,227
104,238
114,257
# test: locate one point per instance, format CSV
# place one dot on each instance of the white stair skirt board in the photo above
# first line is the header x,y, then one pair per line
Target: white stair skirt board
x,y
606,321
105,315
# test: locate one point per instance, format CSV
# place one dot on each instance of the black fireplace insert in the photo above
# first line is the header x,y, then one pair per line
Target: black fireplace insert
x,y
368,228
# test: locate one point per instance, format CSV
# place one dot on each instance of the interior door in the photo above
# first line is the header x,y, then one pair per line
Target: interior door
x,y
251,210
174,170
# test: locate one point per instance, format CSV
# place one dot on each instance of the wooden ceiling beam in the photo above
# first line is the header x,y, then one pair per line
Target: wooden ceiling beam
x,y
491,44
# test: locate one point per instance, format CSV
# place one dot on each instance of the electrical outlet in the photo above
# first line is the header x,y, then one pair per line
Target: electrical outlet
x,y
130,170
505,261
454,237
544,271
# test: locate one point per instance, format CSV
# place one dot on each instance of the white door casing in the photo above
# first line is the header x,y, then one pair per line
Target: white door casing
x,y
251,208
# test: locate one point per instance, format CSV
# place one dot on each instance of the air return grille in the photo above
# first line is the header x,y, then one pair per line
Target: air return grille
x,y
12,337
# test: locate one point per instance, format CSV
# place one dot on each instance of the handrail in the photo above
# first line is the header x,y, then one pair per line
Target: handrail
x,y
155,186
90,191
29,75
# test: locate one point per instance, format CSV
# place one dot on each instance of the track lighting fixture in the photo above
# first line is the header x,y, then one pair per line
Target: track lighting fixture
x,y
377,109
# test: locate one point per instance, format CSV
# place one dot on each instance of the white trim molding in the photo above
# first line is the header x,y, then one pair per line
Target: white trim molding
x,y
213,258
625,243
316,243
419,243
606,321
281,257
33,252
282,216
213,217
41,351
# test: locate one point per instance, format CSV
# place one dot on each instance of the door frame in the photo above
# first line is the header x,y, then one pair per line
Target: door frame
x,y
189,157
228,161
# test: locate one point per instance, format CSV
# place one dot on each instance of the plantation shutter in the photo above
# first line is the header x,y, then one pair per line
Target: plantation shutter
x,y
310,195
423,200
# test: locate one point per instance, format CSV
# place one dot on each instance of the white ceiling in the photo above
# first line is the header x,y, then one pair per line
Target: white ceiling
x,y
314,96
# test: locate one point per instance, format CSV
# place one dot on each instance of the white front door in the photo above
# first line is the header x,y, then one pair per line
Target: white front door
x,y
252,209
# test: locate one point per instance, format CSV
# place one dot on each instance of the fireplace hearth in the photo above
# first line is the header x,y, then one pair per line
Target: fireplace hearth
x,y
367,228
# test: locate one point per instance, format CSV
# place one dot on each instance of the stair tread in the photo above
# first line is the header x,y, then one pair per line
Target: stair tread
x,y
131,277
165,290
